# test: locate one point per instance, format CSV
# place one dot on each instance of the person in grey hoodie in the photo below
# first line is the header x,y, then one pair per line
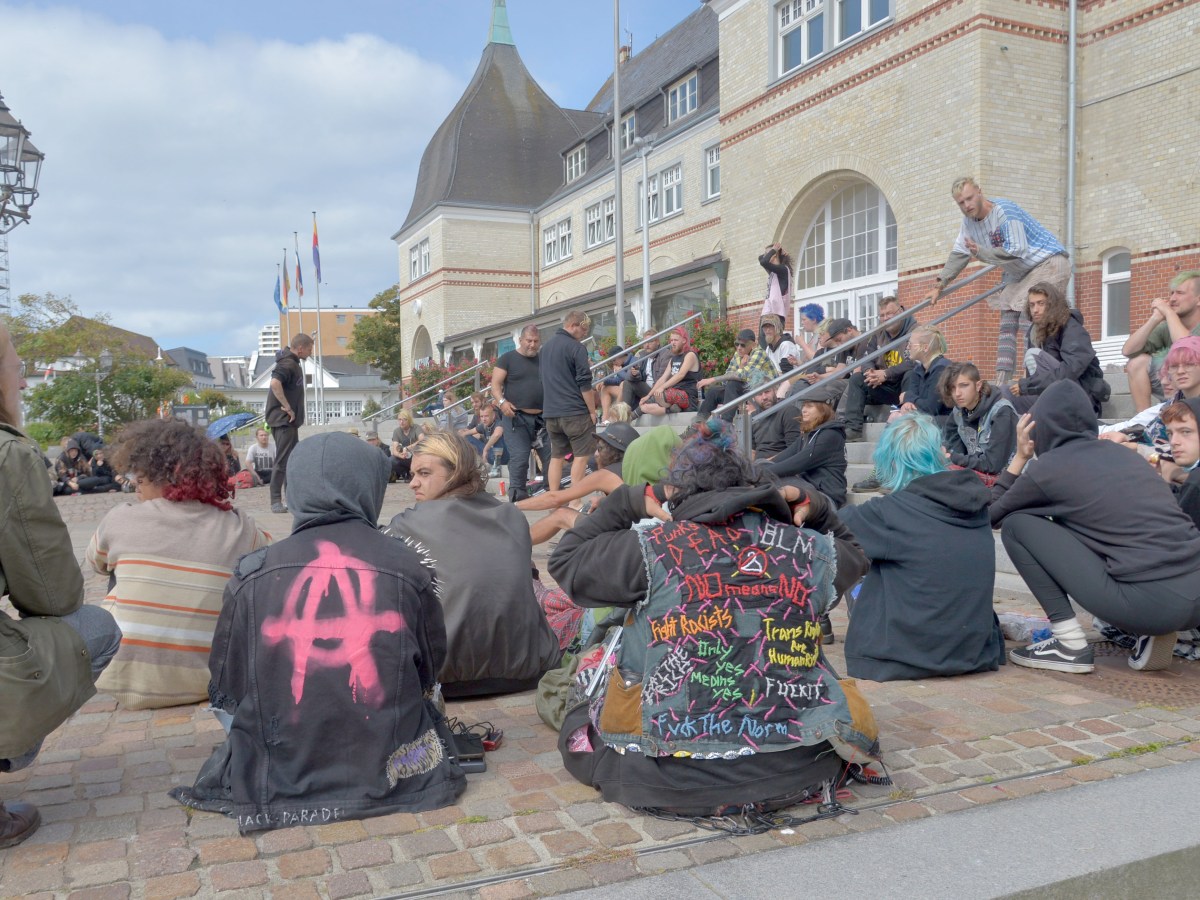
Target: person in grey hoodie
x,y
925,607
1090,521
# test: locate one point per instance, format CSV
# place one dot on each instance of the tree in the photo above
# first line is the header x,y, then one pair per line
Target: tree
x,y
132,390
46,327
376,339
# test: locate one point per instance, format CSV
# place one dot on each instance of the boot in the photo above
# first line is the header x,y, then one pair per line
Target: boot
x,y
827,635
277,495
17,822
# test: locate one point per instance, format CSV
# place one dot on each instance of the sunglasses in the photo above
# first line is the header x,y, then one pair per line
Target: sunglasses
x,y
741,344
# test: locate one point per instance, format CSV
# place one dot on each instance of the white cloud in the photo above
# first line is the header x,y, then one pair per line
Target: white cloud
x,y
177,170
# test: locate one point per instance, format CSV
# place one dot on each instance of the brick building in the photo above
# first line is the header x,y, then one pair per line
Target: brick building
x,y
833,126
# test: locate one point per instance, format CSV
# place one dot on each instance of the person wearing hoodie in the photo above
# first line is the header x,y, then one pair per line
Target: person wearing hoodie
x,y
325,661
819,454
921,388
981,433
925,608
1083,519
1062,349
880,383
498,639
719,694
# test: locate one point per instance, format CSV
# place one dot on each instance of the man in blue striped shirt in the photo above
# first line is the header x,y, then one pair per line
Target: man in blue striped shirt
x,y
1001,233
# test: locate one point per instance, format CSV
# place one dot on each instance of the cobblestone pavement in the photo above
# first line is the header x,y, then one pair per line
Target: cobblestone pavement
x,y
526,827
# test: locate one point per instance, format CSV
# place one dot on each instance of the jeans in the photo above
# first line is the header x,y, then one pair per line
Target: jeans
x,y
102,637
520,432
714,396
1056,565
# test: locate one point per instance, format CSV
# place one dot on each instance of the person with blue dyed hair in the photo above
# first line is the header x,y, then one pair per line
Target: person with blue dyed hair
x,y
811,316
925,607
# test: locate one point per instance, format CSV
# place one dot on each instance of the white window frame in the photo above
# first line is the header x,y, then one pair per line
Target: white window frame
x,y
805,15
628,131
671,190
712,172
418,260
576,163
856,298
556,242
1107,280
683,97
333,409
354,408
864,12
600,219
655,208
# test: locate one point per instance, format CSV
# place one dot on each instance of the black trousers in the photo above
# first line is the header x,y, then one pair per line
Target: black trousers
x,y
286,438
633,391
714,396
1056,564
859,394
520,432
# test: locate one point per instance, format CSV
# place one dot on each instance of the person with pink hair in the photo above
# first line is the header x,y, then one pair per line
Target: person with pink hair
x,y
676,389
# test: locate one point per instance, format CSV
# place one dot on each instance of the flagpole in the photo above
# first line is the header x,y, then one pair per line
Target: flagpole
x,y
317,336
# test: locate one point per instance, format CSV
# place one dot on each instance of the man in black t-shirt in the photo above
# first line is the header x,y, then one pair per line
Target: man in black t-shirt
x,y
517,392
285,410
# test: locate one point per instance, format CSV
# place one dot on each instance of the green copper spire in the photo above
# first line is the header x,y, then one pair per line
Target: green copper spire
x,y
500,32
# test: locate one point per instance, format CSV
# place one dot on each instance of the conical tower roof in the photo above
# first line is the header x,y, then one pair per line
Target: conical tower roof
x,y
501,145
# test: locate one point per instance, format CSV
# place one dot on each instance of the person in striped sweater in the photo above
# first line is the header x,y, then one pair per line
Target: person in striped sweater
x,y
168,558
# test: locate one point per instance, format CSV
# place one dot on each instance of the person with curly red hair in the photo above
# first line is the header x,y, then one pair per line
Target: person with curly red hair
x,y
168,558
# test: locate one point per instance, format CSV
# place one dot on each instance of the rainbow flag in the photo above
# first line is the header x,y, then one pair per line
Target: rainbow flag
x,y
316,251
278,302
286,285
299,277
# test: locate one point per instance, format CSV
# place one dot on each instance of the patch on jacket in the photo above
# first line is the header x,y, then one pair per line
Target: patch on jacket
x,y
422,755
251,562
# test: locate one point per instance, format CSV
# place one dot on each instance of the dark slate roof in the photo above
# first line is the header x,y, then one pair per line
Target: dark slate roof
x,y
690,43
501,145
119,339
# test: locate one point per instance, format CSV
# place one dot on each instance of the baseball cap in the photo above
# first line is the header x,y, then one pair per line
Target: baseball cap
x,y
619,435
837,326
745,335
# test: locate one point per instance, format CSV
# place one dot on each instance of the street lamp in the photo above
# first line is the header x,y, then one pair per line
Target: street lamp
x,y
102,372
644,144
20,168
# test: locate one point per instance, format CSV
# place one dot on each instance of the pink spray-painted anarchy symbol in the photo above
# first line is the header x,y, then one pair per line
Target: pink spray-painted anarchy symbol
x,y
346,639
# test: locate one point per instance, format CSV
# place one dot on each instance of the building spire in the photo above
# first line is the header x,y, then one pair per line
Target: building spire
x,y
500,33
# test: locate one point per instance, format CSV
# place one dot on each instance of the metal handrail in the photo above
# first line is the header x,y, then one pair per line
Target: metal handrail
x,y
640,343
425,391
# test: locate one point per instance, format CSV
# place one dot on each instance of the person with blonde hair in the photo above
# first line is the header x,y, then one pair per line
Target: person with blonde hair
x,y
498,639
404,437
56,646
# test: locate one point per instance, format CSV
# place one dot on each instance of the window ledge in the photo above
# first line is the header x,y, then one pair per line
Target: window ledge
x,y
599,246
833,51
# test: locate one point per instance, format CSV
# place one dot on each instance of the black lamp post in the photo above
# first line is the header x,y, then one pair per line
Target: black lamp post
x,y
20,168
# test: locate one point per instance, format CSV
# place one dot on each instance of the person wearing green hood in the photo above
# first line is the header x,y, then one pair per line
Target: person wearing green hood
x,y
647,457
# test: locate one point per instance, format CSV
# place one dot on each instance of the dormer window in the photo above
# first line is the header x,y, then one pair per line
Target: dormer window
x,y
576,162
683,97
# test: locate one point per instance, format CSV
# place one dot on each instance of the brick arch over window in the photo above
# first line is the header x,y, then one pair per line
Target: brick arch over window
x,y
422,345
842,234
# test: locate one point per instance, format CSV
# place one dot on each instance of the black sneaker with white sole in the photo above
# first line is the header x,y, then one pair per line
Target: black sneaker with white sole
x,y
1052,654
1153,653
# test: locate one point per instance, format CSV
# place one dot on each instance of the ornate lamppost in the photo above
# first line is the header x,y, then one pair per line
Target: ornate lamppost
x,y
20,168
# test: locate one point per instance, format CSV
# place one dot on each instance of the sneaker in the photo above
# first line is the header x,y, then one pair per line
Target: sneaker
x,y
827,635
1153,653
278,508
673,409
1052,654
867,484
494,472
854,436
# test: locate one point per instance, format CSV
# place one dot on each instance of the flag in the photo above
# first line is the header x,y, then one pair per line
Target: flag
x,y
278,302
286,284
299,277
316,252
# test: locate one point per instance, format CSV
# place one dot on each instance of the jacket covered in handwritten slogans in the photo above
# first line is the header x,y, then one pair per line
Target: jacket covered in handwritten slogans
x,y
720,663
326,652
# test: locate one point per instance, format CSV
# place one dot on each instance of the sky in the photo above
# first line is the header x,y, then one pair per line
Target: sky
x,y
185,143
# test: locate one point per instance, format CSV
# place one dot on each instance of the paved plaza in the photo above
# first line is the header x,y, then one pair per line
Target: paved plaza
x,y
526,828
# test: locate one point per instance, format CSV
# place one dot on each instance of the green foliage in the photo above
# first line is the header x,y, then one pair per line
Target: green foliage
x,y
371,407
713,341
213,399
43,432
46,327
131,391
431,373
376,339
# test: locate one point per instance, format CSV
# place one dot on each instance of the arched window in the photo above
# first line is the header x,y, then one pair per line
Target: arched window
x,y
422,347
848,261
1115,293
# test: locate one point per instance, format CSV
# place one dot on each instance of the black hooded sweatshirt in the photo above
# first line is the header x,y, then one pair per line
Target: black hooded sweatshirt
x,y
992,456
1072,346
1188,493
925,608
1104,494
